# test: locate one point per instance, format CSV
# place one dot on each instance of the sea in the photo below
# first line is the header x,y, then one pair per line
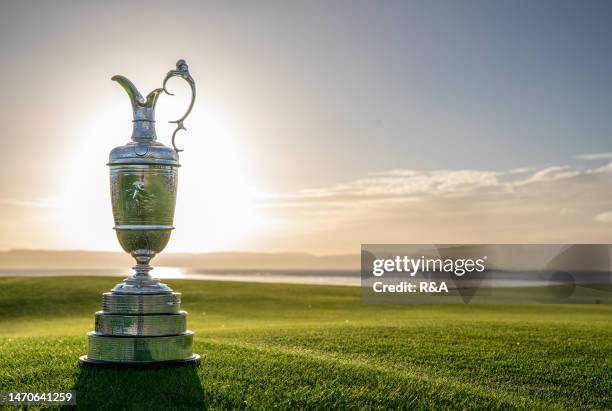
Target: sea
x,y
326,277
351,278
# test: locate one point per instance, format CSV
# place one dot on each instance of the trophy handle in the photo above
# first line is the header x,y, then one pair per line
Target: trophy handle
x,y
182,70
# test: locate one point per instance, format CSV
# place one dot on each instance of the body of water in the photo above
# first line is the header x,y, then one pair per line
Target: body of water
x,y
491,279
346,278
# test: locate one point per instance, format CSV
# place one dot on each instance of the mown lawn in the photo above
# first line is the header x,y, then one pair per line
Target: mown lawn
x,y
294,346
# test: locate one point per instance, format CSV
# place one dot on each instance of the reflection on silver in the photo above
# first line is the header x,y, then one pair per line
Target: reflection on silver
x,y
141,321
137,349
144,325
141,303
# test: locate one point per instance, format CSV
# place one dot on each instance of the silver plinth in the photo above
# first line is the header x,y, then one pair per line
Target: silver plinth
x,y
140,329
139,303
141,321
137,349
136,325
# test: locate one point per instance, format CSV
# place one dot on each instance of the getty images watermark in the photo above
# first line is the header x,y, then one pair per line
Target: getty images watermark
x,y
410,266
485,273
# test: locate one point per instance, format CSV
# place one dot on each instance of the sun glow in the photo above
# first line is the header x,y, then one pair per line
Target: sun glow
x,y
215,204
216,209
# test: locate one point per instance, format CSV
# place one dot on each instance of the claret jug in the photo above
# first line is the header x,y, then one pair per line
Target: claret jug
x,y
143,179
141,321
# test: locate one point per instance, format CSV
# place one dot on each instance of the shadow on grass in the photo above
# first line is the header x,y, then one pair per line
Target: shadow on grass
x,y
139,388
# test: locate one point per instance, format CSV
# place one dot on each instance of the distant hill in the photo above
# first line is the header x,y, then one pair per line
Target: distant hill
x,y
49,259
508,257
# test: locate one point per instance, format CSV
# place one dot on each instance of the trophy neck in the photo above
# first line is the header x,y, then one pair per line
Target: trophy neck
x,y
143,130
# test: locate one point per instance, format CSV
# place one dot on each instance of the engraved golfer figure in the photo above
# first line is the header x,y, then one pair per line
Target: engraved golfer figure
x,y
138,198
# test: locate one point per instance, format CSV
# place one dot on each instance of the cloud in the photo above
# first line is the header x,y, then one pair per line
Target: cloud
x,y
595,156
550,174
556,204
521,170
411,184
49,202
394,184
605,218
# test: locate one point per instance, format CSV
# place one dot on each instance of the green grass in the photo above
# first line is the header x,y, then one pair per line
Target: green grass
x,y
289,346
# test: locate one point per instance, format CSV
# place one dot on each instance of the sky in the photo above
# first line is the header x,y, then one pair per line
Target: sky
x,y
319,125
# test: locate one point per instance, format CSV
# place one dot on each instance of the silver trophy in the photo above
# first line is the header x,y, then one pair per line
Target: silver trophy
x,y
141,321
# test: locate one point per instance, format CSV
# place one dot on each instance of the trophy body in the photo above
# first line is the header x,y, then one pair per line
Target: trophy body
x,y
141,321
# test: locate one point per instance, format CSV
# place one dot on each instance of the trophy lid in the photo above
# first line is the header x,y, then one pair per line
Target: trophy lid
x,y
144,152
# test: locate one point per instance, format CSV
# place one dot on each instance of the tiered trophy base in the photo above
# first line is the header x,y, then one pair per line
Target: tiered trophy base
x,y
140,329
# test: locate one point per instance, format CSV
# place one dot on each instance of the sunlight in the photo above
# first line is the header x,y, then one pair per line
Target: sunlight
x,y
165,273
215,208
